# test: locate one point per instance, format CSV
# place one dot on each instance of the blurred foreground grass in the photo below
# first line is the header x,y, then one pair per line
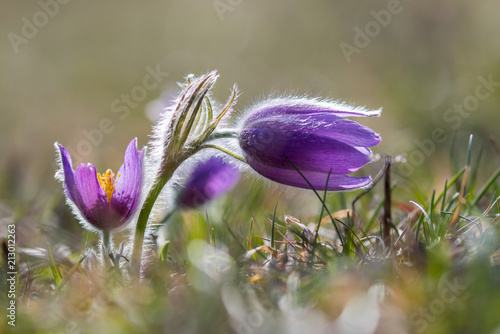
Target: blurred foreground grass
x,y
224,271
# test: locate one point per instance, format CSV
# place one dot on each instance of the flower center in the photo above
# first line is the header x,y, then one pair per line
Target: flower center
x,y
108,182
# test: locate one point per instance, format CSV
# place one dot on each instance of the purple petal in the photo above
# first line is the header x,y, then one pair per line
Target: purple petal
x,y
308,152
129,181
69,179
321,124
209,180
306,106
317,179
94,202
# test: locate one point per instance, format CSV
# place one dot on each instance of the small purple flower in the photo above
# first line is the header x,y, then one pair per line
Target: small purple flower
x,y
210,179
312,135
104,201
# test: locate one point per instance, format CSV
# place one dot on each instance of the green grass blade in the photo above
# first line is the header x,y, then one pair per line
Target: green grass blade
x,y
213,238
426,214
163,252
273,226
448,185
443,195
69,274
431,207
53,266
485,188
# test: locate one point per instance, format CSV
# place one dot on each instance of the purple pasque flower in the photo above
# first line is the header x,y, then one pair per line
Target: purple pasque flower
x,y
210,179
314,136
106,201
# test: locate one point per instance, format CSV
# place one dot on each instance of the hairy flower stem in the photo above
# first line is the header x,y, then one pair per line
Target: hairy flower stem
x,y
225,150
223,134
106,247
106,239
142,221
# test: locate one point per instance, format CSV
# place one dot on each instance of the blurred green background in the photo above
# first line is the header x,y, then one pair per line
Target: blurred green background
x,y
67,67
60,77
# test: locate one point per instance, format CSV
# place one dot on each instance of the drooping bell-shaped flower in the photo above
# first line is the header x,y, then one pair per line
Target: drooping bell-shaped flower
x,y
106,201
209,180
281,135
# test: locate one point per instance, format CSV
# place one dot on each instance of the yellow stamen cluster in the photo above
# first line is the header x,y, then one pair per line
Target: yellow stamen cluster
x,y
108,182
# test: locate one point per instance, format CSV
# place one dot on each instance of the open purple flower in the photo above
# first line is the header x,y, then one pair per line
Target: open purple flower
x,y
210,179
311,135
104,201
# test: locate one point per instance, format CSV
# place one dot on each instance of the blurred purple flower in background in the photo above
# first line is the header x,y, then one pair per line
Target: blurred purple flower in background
x,y
105,201
210,179
312,135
